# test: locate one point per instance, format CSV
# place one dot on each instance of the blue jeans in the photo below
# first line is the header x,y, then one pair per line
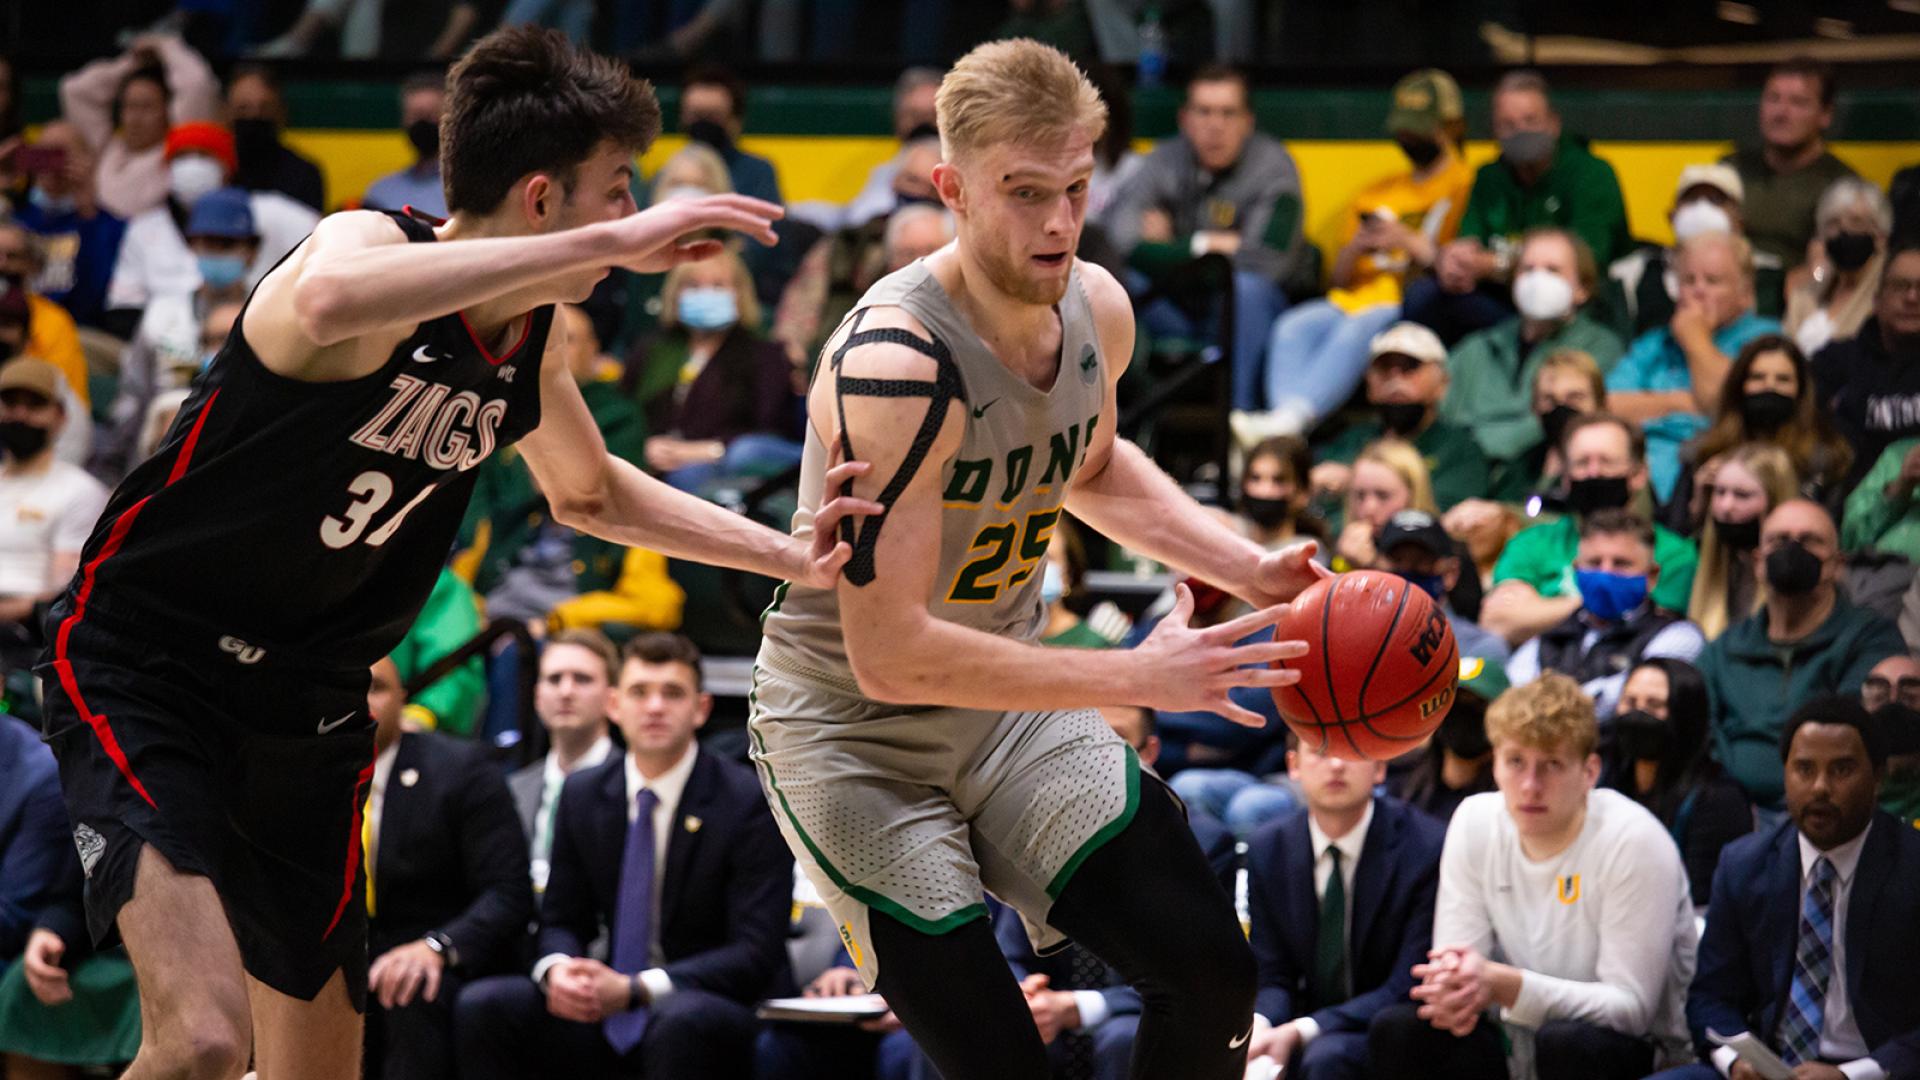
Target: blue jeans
x,y
752,454
1241,801
1318,353
1455,315
1257,302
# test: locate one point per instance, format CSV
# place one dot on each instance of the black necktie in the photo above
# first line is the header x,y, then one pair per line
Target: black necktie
x,y
1329,985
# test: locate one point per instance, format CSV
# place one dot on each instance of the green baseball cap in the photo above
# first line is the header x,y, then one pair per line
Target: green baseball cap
x,y
1484,678
1423,101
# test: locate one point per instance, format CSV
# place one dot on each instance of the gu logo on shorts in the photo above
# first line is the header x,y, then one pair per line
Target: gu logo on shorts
x,y
240,650
91,846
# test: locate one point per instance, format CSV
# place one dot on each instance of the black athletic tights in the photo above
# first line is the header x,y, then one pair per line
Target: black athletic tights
x,y
1147,903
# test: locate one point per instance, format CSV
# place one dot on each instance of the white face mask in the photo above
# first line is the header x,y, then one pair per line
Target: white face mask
x,y
1542,295
190,176
683,191
1697,217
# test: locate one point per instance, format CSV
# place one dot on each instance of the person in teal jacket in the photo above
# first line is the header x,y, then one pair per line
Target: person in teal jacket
x,y
1807,640
451,619
1671,378
1882,513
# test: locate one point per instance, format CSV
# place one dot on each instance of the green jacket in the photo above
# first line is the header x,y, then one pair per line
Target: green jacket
x,y
1454,460
1755,684
1579,193
450,619
1491,392
1875,521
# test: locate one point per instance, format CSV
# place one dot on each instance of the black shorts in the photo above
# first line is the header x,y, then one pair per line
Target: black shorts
x,y
236,764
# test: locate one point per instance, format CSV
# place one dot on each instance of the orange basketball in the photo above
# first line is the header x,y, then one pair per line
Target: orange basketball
x,y
1380,673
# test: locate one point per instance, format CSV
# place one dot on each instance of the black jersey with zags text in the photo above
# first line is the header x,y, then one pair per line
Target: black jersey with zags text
x,y
313,517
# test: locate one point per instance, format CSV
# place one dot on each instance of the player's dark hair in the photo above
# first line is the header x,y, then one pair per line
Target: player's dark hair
x,y
661,647
1807,67
725,79
524,100
1618,522
1844,712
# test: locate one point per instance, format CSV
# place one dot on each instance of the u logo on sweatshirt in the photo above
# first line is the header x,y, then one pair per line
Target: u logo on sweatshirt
x,y
1567,888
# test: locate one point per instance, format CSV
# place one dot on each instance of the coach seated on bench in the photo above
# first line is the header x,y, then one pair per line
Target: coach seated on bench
x,y
689,957
447,892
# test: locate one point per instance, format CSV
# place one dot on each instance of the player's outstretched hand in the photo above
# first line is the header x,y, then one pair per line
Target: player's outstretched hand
x,y
1191,668
827,553
1284,574
655,239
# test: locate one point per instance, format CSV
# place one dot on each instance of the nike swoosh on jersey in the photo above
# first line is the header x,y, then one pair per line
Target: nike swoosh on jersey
x,y
981,410
1241,1041
328,725
422,356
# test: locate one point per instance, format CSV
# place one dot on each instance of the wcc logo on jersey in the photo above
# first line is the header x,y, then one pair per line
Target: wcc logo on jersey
x,y
429,422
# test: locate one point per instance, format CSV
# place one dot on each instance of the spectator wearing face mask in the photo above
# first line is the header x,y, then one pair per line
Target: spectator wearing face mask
x,y
1542,178
1769,398
80,240
423,98
258,113
1413,545
1835,289
1492,372
1659,759
1458,761
1534,583
1707,199
1275,504
719,398
1617,624
713,109
125,105
1805,640
1390,476
913,119
1071,620
74,439
1569,384
49,332
156,260
47,506
1743,486
1871,383
1892,694
1786,173
1393,231
1406,379
1672,377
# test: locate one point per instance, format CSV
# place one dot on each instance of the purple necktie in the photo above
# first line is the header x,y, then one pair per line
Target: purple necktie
x,y
633,923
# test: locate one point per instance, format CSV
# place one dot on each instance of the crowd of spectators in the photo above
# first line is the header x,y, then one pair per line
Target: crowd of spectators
x,y
1665,494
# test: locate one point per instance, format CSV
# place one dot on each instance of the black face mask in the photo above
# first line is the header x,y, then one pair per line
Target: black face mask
x,y
425,137
1902,726
255,143
1766,411
1849,250
1598,493
1421,152
1402,418
1266,513
1642,736
1792,570
1464,733
1738,535
712,133
902,198
22,440
1555,420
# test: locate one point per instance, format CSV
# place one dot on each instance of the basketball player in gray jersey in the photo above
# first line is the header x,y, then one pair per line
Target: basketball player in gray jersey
x,y
916,743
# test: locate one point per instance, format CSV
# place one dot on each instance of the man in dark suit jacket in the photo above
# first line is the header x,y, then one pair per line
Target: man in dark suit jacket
x,y
35,859
578,668
1812,944
1340,899
690,957
448,898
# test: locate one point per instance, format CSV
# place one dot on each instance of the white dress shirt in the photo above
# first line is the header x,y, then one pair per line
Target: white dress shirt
x,y
1840,1038
1350,846
667,787
552,780
376,803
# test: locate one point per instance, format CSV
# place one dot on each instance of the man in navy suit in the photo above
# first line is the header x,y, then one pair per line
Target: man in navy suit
x,y
35,861
1812,943
448,898
1340,897
673,851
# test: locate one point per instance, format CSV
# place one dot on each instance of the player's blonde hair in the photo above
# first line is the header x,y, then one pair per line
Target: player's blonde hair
x,y
1547,714
1016,90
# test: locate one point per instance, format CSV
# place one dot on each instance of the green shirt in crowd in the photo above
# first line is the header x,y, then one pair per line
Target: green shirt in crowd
x,y
1491,394
1578,192
1778,209
1542,556
1454,460
1874,520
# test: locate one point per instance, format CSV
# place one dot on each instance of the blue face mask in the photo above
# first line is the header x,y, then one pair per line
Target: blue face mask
x,y
707,309
54,205
1053,585
221,271
1432,584
1608,596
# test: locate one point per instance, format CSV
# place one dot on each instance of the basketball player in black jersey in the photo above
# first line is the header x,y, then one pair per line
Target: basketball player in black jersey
x,y
206,686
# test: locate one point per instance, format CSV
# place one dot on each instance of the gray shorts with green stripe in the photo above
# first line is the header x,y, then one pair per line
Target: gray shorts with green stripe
x,y
914,812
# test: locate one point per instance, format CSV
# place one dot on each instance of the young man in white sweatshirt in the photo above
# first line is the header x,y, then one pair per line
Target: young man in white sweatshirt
x,y
1580,893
